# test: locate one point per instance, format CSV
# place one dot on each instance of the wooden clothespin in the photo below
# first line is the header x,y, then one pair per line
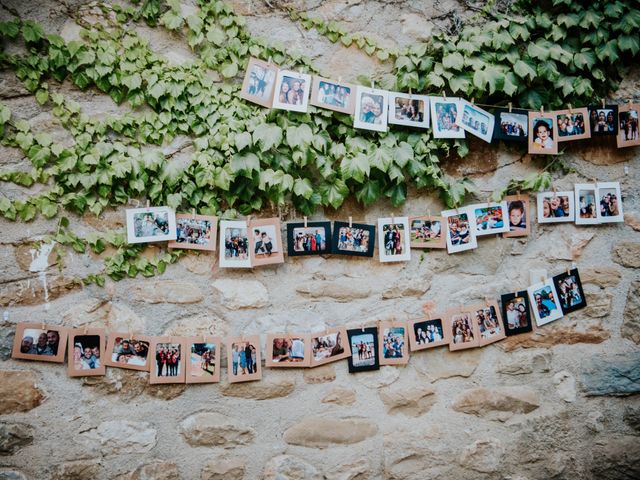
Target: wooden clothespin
x,y
570,110
603,104
393,218
409,93
443,96
86,328
305,222
339,78
362,326
269,61
42,326
373,84
510,107
488,200
350,222
541,110
193,214
148,207
473,100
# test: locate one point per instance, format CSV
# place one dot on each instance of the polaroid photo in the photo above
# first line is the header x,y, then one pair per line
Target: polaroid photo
x,y
309,238
516,315
371,109
572,124
427,333
288,350
355,239
128,351
328,346
394,239
444,115
463,330
87,347
488,218
153,224
195,232
519,216
586,205
476,121
511,125
203,363
393,343
409,110
542,136
603,120
487,318
259,82
243,359
332,95
544,301
169,365
364,349
265,242
427,232
460,235
570,293
234,244
38,341
555,207
292,91
628,131
610,197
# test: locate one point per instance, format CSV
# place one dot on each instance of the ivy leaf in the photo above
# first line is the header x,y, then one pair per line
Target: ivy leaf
x,y
42,96
609,50
453,61
300,136
229,70
355,167
247,163
267,136
369,192
242,140
538,50
132,82
174,200
402,154
334,194
31,31
303,188
216,36
629,43
585,59
524,69
397,193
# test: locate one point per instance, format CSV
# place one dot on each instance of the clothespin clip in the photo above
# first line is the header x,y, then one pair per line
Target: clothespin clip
x,y
570,110
569,270
488,200
473,100
429,212
193,214
373,84
248,220
86,328
269,61
148,208
305,222
362,326
350,222
339,78
42,326
542,279
393,218
443,96
409,93
510,107
541,109
603,105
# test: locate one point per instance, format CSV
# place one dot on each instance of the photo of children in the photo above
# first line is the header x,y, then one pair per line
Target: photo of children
x,y
542,137
556,207
426,232
489,218
444,114
328,347
603,120
364,349
259,82
511,125
196,232
544,300
409,110
292,91
460,236
569,288
571,125
628,125
371,109
518,211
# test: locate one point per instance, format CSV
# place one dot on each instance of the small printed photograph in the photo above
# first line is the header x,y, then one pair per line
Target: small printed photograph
x,y
462,330
460,235
542,137
204,360
426,232
427,333
364,349
195,232
288,350
328,347
371,109
628,134
519,219
444,114
169,360
86,347
487,317
243,357
46,343
394,344
259,82
314,238
489,218
610,198
130,352
477,121
292,91
511,125
153,224
554,207
265,242
569,288
234,244
572,124
333,95
356,239
586,204
515,313
544,301
394,239
603,120
409,110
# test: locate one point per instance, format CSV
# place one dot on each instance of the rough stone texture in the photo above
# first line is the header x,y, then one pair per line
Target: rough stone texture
x,y
601,276
81,470
223,468
322,432
116,437
631,319
258,390
612,374
342,290
441,364
13,436
627,254
322,374
215,430
357,470
237,294
18,391
497,403
565,386
483,456
288,467
155,471
412,402
168,291
340,396
520,363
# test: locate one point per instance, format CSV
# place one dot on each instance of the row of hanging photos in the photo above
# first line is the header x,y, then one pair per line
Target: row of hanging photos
x,y
449,117
257,242
174,359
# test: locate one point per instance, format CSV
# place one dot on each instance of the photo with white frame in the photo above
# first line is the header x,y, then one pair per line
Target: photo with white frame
x,y
408,109
444,117
587,206
234,244
609,197
371,109
394,238
460,232
488,218
152,224
476,121
292,98
557,202
548,308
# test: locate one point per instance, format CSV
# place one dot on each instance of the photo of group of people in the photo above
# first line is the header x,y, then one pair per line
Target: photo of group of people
x,y
40,341
292,91
371,109
477,121
196,232
511,125
353,239
554,207
395,245
594,203
570,293
460,235
518,211
426,232
234,242
86,349
128,352
489,218
544,301
288,351
332,95
243,355
309,239
153,224
628,134
515,312
266,242
409,110
427,333
487,317
259,82
364,349
444,113
393,344
462,330
571,124
168,367
602,120
204,364
328,347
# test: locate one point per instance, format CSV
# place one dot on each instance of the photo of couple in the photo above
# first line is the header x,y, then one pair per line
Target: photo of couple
x,y
129,352
364,349
517,313
608,202
292,91
259,82
570,292
327,348
544,300
393,238
371,110
628,126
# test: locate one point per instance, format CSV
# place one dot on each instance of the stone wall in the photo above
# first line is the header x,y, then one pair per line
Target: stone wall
x,y
561,402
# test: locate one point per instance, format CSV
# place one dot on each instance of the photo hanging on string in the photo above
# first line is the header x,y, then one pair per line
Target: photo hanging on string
x,y
152,224
586,203
542,134
444,116
544,302
463,330
168,365
476,121
570,293
312,238
427,232
363,343
393,343
488,218
555,207
234,244
244,359
329,346
203,361
572,124
128,350
409,110
265,242
460,234
428,333
487,318
519,214
511,125
259,82
40,342
195,232
371,109
609,197
603,121
516,314
333,95
355,239
288,350
629,130
394,239
292,91
87,348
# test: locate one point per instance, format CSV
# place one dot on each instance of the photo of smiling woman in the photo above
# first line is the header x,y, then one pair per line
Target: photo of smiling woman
x,y
371,109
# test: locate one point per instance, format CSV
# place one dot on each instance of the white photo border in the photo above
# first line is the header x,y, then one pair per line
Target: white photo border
x,y
406,241
572,207
276,93
580,187
473,242
487,137
505,217
426,120
385,108
437,133
224,263
131,236
610,185
551,318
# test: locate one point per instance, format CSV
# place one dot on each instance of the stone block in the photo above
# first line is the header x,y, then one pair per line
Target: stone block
x,y
627,254
13,436
263,390
631,318
288,467
340,396
411,402
212,429
118,437
615,374
239,294
323,432
223,468
167,291
322,374
19,391
499,403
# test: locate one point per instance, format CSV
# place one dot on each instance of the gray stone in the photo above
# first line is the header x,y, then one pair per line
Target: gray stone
x,y
340,396
322,374
167,291
602,276
6,474
631,318
215,430
288,467
116,437
520,363
412,402
263,390
322,432
483,456
78,470
615,458
13,436
627,254
224,468
357,470
565,386
239,294
497,403
613,374
155,471
341,290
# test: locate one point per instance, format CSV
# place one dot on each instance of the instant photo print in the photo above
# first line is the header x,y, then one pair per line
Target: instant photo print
x,y
511,125
333,95
363,343
427,232
292,91
354,239
259,82
516,315
40,342
572,124
244,359
444,116
555,207
603,120
308,238
570,293
428,333
586,204
393,343
288,350
609,198
265,242
544,302
542,134
329,346
519,216
487,318
463,329
128,350
460,234
87,348
195,232
371,109
202,363
408,110
153,224
234,244
476,121
394,239
628,128
488,218
169,360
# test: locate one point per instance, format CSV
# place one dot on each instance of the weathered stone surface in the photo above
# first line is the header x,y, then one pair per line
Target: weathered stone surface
x,y
25,255
100,313
602,276
440,363
165,392
126,383
322,432
598,304
167,291
341,290
288,467
579,242
322,374
263,390
379,378
483,456
521,363
238,294
213,429
499,403
627,254
19,391
32,292
199,264
412,402
6,474
13,436
79,470
616,374
155,471
633,220
631,416
565,386
224,468
555,335
631,318
340,396
615,458
357,470
409,288
116,437
210,323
